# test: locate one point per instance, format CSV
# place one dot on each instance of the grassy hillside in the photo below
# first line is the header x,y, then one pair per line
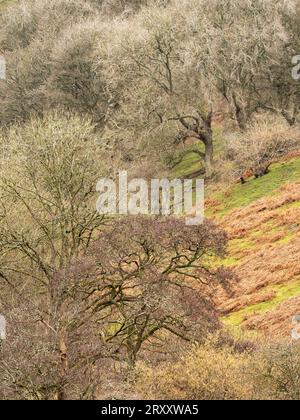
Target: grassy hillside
x,y
262,219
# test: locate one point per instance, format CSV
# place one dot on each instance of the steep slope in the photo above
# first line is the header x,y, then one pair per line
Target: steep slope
x,y
262,219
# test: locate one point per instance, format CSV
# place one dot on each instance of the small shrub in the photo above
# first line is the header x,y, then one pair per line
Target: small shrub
x,y
203,373
265,141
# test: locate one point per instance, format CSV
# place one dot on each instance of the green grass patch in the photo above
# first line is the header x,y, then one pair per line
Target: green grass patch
x,y
289,206
214,262
229,261
190,164
243,195
236,245
288,232
287,239
283,292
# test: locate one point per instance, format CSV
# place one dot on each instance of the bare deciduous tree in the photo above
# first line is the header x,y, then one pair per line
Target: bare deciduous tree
x,y
261,145
151,276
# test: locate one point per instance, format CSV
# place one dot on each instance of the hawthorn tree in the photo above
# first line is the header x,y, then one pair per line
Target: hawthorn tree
x,y
149,280
144,285
52,61
242,48
159,88
49,173
262,144
77,80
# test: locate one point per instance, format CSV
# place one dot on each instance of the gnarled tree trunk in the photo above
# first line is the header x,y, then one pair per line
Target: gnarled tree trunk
x,y
200,127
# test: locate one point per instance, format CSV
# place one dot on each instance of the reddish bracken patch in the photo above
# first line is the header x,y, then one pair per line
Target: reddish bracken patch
x,y
277,322
269,255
